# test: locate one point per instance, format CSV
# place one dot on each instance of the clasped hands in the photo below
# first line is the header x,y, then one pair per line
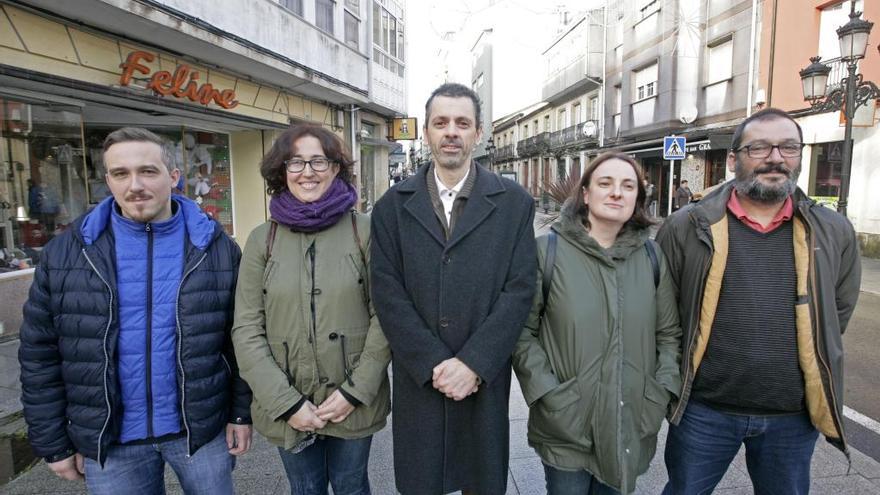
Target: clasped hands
x,y
310,417
454,379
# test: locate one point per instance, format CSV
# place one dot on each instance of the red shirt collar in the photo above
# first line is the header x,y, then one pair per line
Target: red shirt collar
x,y
783,215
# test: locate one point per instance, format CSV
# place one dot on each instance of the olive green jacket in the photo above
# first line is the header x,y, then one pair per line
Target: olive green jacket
x,y
286,349
599,370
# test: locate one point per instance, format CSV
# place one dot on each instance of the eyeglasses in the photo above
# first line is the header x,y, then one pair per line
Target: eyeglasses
x,y
297,165
763,150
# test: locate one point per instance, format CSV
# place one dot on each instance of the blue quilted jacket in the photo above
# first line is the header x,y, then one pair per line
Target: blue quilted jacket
x,y
72,381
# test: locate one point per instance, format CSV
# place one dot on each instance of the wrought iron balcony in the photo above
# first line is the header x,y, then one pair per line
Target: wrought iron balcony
x,y
505,153
576,137
534,146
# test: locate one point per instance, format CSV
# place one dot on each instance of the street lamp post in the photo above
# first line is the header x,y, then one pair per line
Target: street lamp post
x,y
852,92
490,150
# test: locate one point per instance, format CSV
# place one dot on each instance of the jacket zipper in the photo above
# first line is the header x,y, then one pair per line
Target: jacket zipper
x,y
815,325
312,330
180,353
106,353
148,359
345,369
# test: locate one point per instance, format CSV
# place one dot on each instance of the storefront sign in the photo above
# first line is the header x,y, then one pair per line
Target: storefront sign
x,y
183,83
706,146
404,130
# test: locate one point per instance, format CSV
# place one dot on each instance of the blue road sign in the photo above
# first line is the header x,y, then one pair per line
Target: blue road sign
x,y
673,147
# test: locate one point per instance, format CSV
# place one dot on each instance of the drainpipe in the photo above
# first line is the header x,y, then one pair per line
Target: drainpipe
x,y
772,54
752,43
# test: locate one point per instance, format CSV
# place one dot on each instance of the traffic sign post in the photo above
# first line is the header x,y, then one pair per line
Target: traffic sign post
x,y
673,149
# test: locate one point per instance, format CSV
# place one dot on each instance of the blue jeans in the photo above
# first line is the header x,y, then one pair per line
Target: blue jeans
x,y
141,468
339,462
562,482
778,451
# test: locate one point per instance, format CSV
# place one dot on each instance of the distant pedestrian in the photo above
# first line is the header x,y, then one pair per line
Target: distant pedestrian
x,y
650,201
126,362
683,195
305,334
596,373
453,276
767,281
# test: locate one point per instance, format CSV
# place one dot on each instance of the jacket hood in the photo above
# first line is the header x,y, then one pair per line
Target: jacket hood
x,y
200,228
570,226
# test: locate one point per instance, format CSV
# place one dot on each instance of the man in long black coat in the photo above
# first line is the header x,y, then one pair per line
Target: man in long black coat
x,y
453,268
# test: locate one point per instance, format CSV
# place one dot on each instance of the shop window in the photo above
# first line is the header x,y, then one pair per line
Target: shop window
x,y
42,183
826,164
203,160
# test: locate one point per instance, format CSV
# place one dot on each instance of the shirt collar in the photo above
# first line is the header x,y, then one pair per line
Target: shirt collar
x,y
441,188
783,215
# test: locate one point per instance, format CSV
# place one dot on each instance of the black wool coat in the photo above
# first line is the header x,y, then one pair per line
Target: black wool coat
x,y
465,297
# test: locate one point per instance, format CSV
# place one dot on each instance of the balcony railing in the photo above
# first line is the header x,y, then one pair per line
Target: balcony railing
x,y
535,145
574,137
837,74
505,153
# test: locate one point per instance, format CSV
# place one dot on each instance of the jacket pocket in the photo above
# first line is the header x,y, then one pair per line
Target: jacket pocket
x,y
556,419
653,407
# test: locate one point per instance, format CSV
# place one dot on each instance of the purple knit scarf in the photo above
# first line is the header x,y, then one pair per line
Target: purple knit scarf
x,y
312,217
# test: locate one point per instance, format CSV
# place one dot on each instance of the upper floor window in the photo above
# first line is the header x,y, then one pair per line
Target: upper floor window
x,y
388,44
525,130
645,83
295,6
324,14
833,17
594,107
352,30
560,119
720,61
576,117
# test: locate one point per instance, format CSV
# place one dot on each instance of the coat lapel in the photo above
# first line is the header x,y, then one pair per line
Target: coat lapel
x,y
479,205
419,205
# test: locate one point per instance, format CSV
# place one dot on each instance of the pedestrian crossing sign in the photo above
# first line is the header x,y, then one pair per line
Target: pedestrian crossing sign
x,y
674,147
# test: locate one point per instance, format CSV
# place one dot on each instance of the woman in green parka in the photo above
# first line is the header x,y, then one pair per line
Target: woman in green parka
x,y
598,360
305,335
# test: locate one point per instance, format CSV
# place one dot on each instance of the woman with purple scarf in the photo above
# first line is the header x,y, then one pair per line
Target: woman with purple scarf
x,y
306,338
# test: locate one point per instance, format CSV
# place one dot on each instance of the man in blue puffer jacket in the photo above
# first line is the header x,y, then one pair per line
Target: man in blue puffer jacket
x,y
126,360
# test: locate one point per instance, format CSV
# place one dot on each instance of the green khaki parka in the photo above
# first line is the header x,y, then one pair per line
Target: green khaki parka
x,y
304,326
599,370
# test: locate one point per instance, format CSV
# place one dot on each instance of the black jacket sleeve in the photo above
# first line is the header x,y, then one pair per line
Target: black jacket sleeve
x,y
42,387
240,406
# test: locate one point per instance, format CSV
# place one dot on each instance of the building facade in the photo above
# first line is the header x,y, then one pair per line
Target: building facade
x,y
219,82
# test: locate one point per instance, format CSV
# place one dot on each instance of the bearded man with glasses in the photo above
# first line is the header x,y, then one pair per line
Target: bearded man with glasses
x,y
767,282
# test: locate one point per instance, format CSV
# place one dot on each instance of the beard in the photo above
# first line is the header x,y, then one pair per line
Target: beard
x,y
747,183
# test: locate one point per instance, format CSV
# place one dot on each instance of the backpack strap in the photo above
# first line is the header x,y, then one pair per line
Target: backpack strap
x,y
549,265
270,238
655,263
357,239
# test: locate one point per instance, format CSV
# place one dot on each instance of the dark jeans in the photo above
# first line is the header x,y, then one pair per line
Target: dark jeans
x,y
141,468
339,462
562,482
778,451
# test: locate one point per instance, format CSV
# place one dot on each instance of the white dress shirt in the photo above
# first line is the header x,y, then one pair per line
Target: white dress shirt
x,y
448,195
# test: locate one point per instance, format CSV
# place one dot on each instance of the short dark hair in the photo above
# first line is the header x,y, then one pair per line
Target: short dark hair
x,y
139,134
684,181
765,114
455,90
640,218
273,169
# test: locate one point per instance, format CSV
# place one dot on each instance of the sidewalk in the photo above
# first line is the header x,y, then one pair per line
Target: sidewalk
x,y
260,471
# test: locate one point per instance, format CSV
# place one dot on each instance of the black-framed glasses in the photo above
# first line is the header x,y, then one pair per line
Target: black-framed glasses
x,y
763,150
297,165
